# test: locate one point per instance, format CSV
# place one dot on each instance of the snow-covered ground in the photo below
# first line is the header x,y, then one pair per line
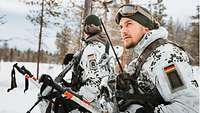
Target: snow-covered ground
x,y
16,101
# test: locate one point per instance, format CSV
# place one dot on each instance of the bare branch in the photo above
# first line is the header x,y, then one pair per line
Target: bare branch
x,y
1,19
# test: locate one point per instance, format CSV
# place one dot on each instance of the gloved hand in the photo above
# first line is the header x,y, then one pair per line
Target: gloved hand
x,y
124,81
125,104
145,109
47,85
142,110
126,99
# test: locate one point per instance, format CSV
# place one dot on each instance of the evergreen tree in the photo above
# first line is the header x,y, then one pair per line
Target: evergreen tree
x,y
63,42
51,12
28,54
158,10
195,36
195,23
170,28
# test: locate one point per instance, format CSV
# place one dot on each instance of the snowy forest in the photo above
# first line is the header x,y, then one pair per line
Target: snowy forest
x,y
67,17
61,22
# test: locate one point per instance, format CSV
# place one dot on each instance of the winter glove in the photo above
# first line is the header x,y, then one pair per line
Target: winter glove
x,y
124,104
127,99
143,110
47,89
47,84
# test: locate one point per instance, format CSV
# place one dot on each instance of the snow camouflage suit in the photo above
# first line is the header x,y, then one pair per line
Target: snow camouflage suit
x,y
97,67
167,60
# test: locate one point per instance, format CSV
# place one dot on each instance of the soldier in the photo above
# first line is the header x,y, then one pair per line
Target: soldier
x,y
161,75
91,71
95,62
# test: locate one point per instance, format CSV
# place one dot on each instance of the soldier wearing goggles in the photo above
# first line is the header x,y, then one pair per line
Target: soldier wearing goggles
x,y
161,75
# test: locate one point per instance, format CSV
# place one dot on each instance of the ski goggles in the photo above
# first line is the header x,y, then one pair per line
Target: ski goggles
x,y
129,10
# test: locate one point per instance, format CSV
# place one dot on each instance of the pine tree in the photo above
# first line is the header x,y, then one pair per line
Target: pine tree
x,y
63,42
195,23
170,29
195,36
158,11
51,12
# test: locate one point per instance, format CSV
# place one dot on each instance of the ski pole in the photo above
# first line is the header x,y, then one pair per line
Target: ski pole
x,y
33,79
36,103
121,69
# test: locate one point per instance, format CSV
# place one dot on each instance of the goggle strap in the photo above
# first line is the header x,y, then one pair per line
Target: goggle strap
x,y
137,8
140,10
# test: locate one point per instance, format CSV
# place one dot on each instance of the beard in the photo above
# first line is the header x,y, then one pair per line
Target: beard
x,y
128,43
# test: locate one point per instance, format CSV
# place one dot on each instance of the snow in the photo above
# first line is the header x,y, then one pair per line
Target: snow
x,y
16,101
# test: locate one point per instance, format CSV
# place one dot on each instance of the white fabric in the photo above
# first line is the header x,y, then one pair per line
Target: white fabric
x,y
149,37
185,100
99,74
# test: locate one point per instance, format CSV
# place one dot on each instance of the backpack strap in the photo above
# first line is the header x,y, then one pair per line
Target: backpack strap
x,y
140,61
142,58
146,53
149,49
107,48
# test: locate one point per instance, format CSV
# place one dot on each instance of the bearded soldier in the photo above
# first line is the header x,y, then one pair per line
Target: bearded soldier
x,y
161,75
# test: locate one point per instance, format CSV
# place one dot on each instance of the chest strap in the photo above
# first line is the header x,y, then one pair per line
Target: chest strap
x,y
146,53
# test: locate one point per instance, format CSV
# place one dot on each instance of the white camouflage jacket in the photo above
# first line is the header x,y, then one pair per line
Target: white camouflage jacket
x,y
168,69
95,63
97,71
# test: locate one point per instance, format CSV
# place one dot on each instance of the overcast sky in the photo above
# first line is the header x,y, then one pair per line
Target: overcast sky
x,y
22,31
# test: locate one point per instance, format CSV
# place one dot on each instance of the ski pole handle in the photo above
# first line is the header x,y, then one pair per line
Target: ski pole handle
x,y
19,69
27,71
37,102
27,74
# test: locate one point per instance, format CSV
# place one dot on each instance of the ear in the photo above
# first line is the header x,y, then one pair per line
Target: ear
x,y
146,29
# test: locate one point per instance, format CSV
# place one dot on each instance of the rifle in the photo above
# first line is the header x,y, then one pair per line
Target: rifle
x,y
66,93
76,58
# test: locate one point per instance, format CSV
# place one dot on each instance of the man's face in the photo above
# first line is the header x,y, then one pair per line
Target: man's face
x,y
131,32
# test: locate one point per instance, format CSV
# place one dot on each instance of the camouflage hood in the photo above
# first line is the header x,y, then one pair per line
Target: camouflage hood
x,y
150,37
100,37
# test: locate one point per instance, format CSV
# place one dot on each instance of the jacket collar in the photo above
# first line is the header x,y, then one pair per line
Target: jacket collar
x,y
150,37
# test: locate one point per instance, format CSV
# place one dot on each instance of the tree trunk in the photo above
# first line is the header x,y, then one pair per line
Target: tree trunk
x,y
87,8
40,38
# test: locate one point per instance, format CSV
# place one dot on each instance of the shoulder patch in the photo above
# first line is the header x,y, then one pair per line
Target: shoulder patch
x,y
174,78
92,61
91,56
